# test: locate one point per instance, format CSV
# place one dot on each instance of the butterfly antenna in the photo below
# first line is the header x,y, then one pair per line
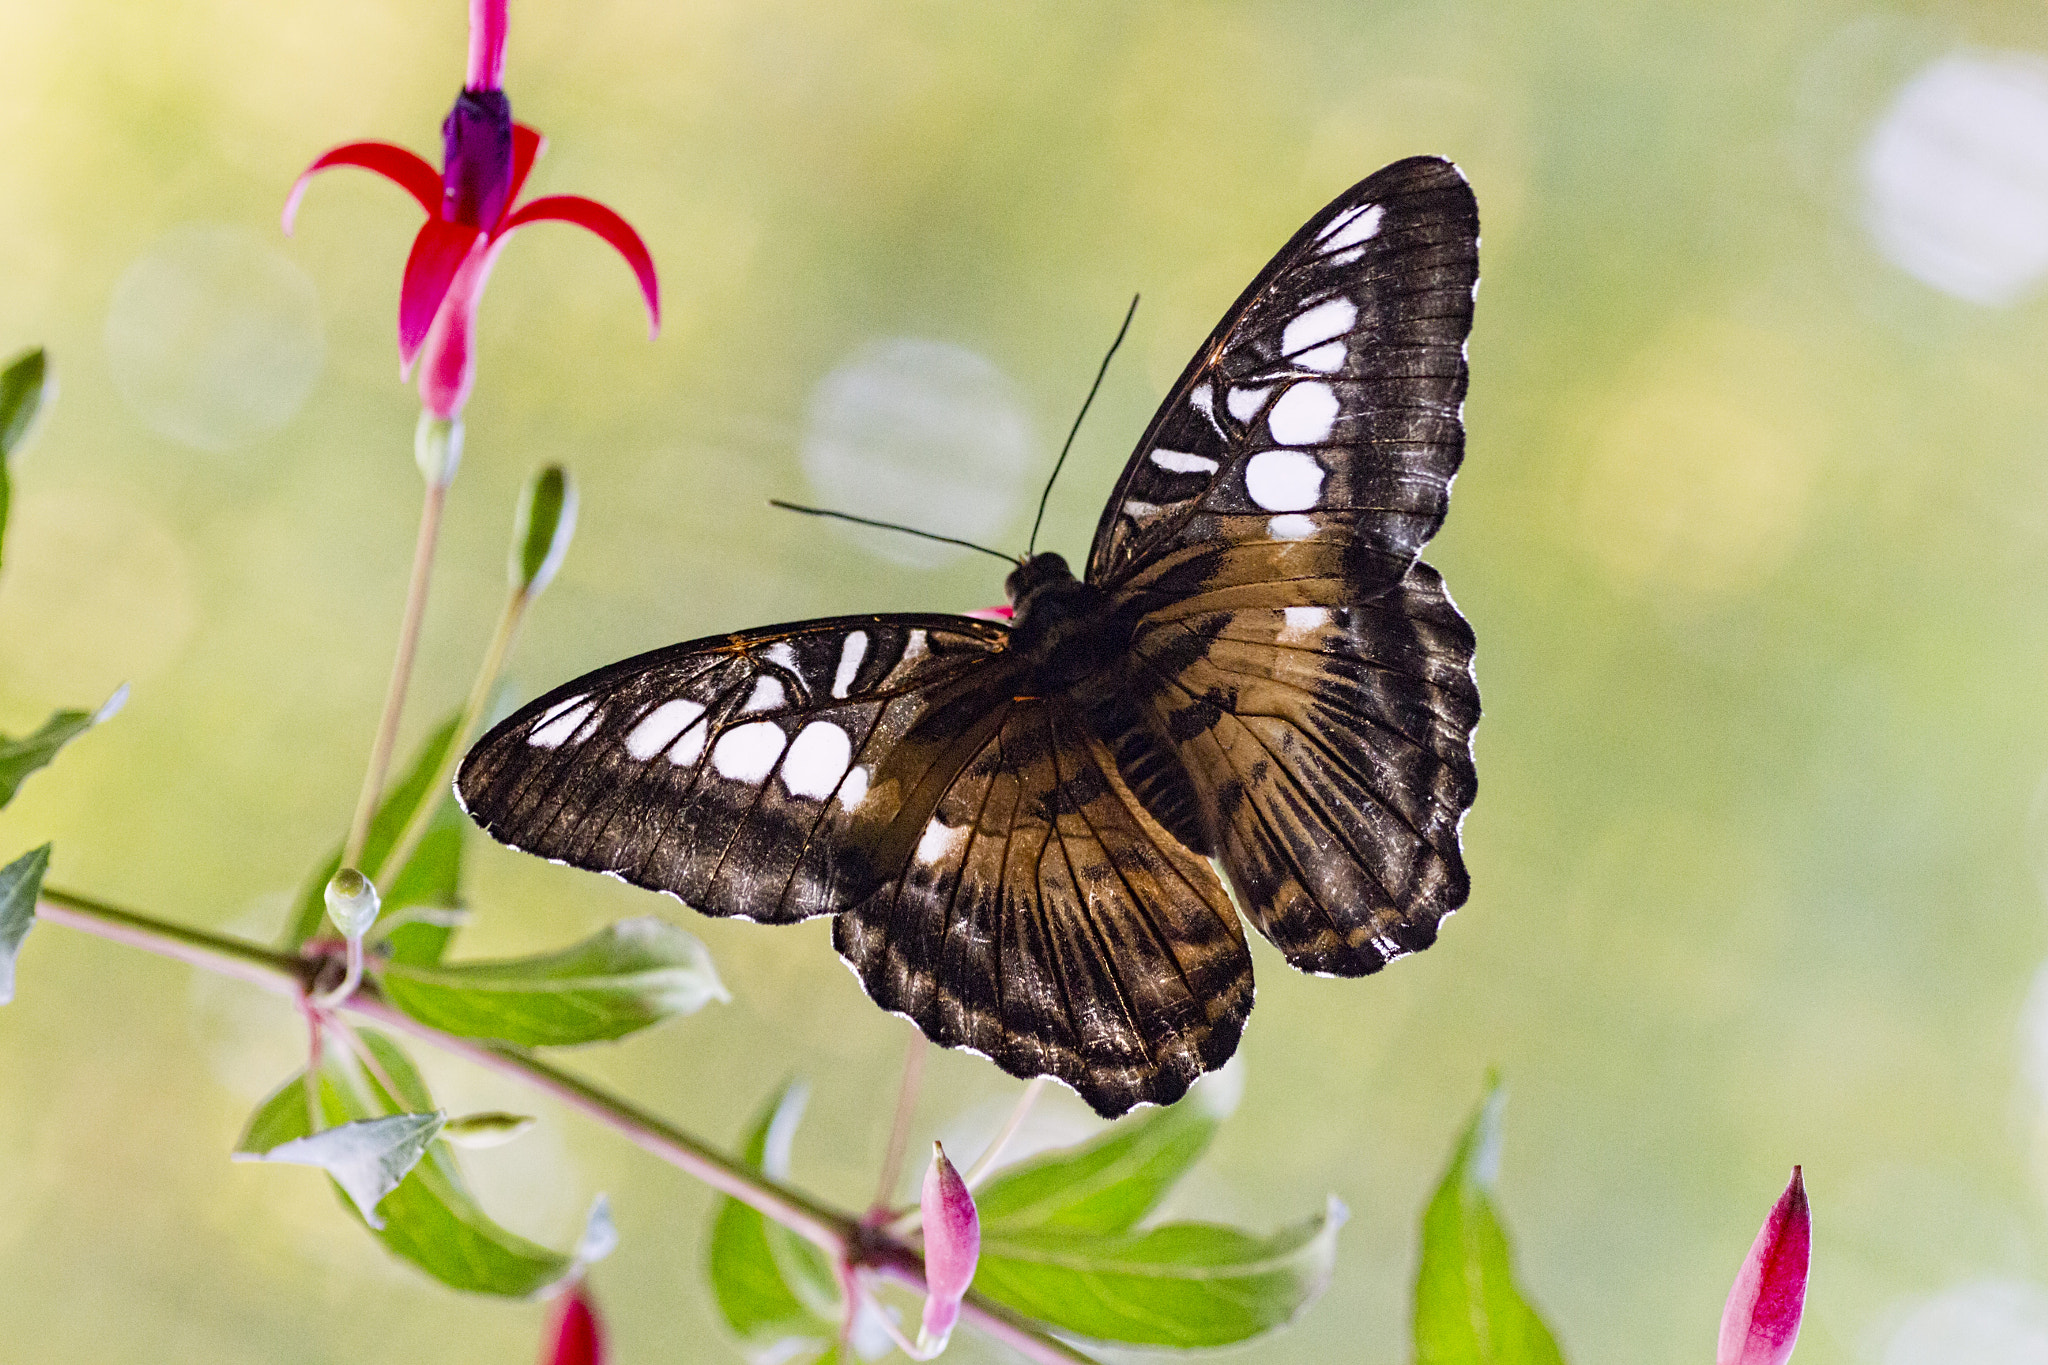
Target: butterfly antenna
x,y
1129,313
891,526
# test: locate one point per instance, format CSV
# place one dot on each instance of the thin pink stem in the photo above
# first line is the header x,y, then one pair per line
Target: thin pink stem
x,y
899,1127
488,24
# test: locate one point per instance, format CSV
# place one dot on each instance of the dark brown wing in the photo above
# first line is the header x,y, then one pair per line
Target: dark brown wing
x,y
1045,920
1307,671
756,775
1330,746
1326,403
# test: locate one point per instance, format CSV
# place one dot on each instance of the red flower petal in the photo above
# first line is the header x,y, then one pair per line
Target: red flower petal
x,y
402,168
578,1336
437,253
527,145
1761,1320
588,213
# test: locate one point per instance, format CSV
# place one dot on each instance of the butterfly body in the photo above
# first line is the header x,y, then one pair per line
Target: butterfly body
x,y
1018,828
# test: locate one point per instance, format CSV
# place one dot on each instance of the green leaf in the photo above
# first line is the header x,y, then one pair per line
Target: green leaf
x,y
430,1219
24,386
20,757
635,973
1107,1185
1184,1285
366,1157
749,1274
21,881
432,877
1468,1310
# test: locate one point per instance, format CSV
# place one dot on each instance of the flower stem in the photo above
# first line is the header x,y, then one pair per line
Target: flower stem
x,y
993,1153
401,672
838,1234
899,1127
422,818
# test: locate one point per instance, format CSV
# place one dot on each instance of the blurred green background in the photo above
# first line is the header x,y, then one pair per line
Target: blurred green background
x,y
1753,530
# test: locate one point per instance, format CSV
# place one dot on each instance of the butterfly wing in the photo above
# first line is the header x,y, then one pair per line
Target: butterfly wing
x,y
1309,673
1045,920
756,775
1326,403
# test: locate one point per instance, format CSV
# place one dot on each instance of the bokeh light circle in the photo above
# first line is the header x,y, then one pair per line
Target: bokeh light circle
x,y
1955,176
214,337
1986,1322
921,432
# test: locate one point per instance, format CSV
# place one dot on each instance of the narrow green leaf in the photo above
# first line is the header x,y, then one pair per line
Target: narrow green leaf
x,y
1184,1285
20,757
1107,1185
635,973
1468,1310
366,1157
432,877
21,881
772,1319
24,386
430,1219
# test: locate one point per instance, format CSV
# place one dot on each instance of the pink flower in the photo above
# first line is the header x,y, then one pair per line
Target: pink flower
x,y
952,1246
472,209
577,1337
1761,1320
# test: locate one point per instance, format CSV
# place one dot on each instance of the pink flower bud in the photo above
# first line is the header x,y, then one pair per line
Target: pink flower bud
x,y
1761,1320
577,1337
476,159
952,1245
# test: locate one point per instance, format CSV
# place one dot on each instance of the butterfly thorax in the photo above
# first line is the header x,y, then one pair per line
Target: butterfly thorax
x,y
1068,631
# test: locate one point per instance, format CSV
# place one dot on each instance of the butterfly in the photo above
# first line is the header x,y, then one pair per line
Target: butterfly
x,y
1018,827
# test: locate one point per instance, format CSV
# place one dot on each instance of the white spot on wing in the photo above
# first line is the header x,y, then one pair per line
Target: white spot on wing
x,y
561,721
940,841
658,728
747,753
1140,511
854,789
768,694
1323,359
1347,257
1283,480
782,654
1332,318
1304,414
1359,225
1244,403
1292,526
913,648
1203,400
816,760
1179,462
690,747
1301,622
850,654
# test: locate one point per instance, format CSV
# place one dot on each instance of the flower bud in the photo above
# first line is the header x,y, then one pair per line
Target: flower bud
x,y
1761,1320
492,1128
576,1337
952,1245
476,159
352,903
26,386
542,529
437,447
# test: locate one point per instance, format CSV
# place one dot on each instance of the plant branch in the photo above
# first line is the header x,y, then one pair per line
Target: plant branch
x,y
401,672
487,673
899,1127
838,1234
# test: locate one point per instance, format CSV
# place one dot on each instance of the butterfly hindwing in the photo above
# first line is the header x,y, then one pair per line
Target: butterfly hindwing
x,y
748,774
1046,921
1331,749
1326,403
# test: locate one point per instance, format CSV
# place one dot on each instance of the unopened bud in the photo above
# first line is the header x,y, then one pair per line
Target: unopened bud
x,y
25,386
490,1129
541,530
952,1246
352,903
576,1337
1761,1320
437,447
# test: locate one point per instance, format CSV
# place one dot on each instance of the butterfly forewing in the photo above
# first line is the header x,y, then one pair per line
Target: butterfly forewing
x,y
750,774
1045,920
1326,403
